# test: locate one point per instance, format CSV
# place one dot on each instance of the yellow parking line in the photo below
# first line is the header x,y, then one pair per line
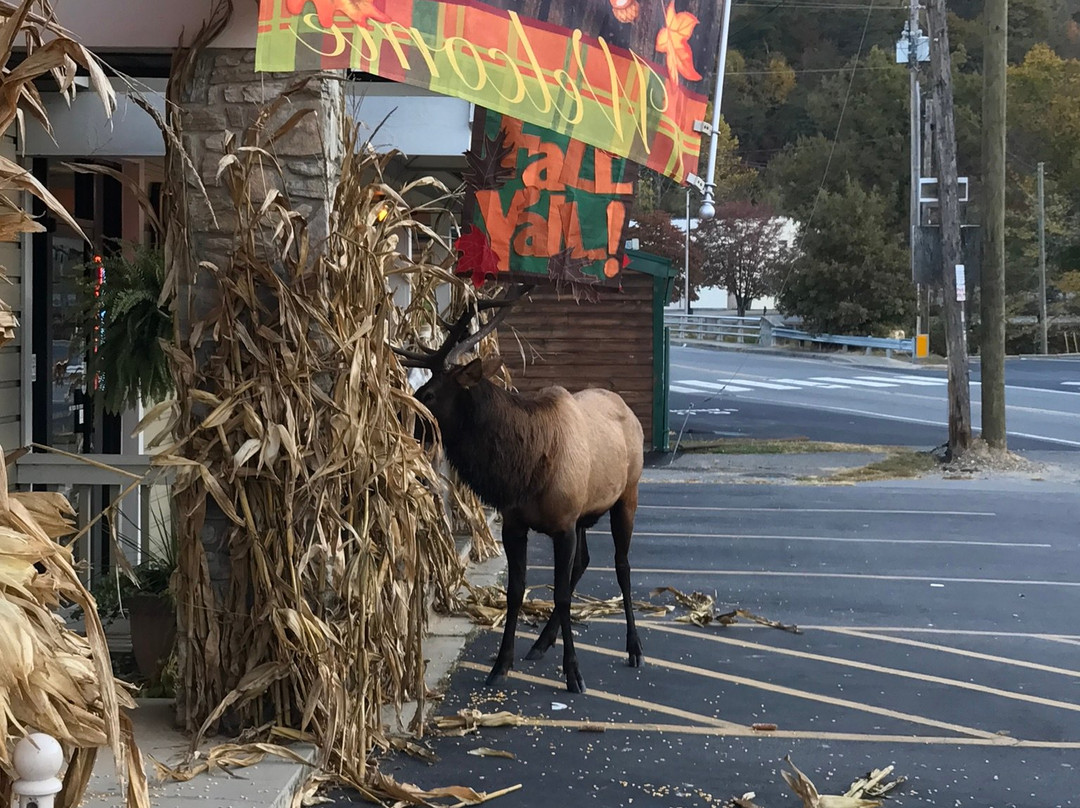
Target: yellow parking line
x,y
790,691
747,732
866,666
958,632
675,712
858,576
945,649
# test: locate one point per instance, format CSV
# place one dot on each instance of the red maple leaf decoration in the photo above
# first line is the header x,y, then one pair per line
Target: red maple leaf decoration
x,y
477,257
673,42
359,11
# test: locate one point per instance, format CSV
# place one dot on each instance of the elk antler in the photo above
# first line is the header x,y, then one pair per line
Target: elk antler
x,y
458,340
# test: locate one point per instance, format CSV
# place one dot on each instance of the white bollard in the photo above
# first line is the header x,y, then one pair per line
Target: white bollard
x,y
38,759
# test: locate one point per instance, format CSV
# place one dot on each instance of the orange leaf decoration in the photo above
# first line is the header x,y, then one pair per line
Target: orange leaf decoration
x,y
673,41
356,10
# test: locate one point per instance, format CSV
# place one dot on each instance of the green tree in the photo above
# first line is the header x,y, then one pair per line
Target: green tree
x,y
871,144
743,251
657,235
852,276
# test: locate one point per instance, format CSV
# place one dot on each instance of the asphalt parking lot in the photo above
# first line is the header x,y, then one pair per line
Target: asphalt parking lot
x,y
939,634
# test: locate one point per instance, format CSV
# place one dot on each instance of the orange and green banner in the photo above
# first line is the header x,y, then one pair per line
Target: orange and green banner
x,y
625,76
543,204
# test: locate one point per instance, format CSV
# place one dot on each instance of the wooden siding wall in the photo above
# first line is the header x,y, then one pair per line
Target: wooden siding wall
x,y
11,294
578,345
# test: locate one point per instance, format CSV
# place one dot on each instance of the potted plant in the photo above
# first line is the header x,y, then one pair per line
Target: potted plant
x,y
123,326
142,593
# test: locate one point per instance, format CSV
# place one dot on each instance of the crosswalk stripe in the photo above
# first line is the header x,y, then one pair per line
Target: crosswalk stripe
x,y
855,382
767,385
713,387
808,383
906,380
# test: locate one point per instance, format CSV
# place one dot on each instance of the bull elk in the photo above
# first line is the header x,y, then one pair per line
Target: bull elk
x,y
547,461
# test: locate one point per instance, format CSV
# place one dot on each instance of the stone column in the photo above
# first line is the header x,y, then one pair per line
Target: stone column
x,y
226,95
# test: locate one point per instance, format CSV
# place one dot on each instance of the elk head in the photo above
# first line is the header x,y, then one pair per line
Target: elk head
x,y
444,393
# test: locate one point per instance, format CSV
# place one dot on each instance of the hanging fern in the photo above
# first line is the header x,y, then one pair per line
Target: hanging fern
x,y
127,325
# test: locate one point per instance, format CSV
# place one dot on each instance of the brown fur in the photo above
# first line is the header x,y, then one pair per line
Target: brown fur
x,y
550,462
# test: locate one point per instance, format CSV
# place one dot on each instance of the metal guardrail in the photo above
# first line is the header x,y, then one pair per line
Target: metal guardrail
x,y
715,327
762,331
887,344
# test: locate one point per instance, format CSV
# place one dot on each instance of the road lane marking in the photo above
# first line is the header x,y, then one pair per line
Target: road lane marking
x,y
856,382
920,421
714,387
848,575
948,649
857,665
842,539
884,511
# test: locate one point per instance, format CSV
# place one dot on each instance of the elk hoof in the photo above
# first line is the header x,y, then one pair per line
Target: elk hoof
x,y
496,677
538,649
574,682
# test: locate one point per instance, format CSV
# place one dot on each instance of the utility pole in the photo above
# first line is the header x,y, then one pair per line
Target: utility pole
x,y
915,148
927,171
1043,344
992,294
955,288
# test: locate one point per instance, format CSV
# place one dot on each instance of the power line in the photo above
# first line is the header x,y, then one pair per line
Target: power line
x,y
840,120
806,70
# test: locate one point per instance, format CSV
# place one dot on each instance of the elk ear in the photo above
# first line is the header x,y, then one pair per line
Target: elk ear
x,y
492,365
471,374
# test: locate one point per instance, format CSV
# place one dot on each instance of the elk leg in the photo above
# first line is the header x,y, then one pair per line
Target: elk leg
x,y
551,628
515,543
622,527
565,551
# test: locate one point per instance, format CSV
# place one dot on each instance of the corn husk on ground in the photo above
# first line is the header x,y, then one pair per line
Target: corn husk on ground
x,y
52,679
293,419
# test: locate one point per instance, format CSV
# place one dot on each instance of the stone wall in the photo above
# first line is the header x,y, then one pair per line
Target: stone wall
x,y
226,96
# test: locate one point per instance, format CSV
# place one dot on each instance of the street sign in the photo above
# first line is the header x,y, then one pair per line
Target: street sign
x,y
961,287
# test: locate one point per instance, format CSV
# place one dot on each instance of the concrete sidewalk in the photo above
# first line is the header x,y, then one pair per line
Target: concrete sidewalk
x,y
273,782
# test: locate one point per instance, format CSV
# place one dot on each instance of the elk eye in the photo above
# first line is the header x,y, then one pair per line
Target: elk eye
x,y
427,397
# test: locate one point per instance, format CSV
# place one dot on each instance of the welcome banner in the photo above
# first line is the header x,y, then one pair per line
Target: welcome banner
x,y
543,204
622,75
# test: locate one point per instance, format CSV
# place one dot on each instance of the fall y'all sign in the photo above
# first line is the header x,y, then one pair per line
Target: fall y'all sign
x,y
626,76
543,204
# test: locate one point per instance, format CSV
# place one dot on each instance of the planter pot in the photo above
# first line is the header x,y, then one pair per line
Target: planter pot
x,y
153,632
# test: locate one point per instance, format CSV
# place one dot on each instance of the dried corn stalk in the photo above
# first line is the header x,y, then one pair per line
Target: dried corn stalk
x,y
52,679
294,418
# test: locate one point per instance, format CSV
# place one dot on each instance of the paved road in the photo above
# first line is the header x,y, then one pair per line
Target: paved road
x,y
745,394
939,634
